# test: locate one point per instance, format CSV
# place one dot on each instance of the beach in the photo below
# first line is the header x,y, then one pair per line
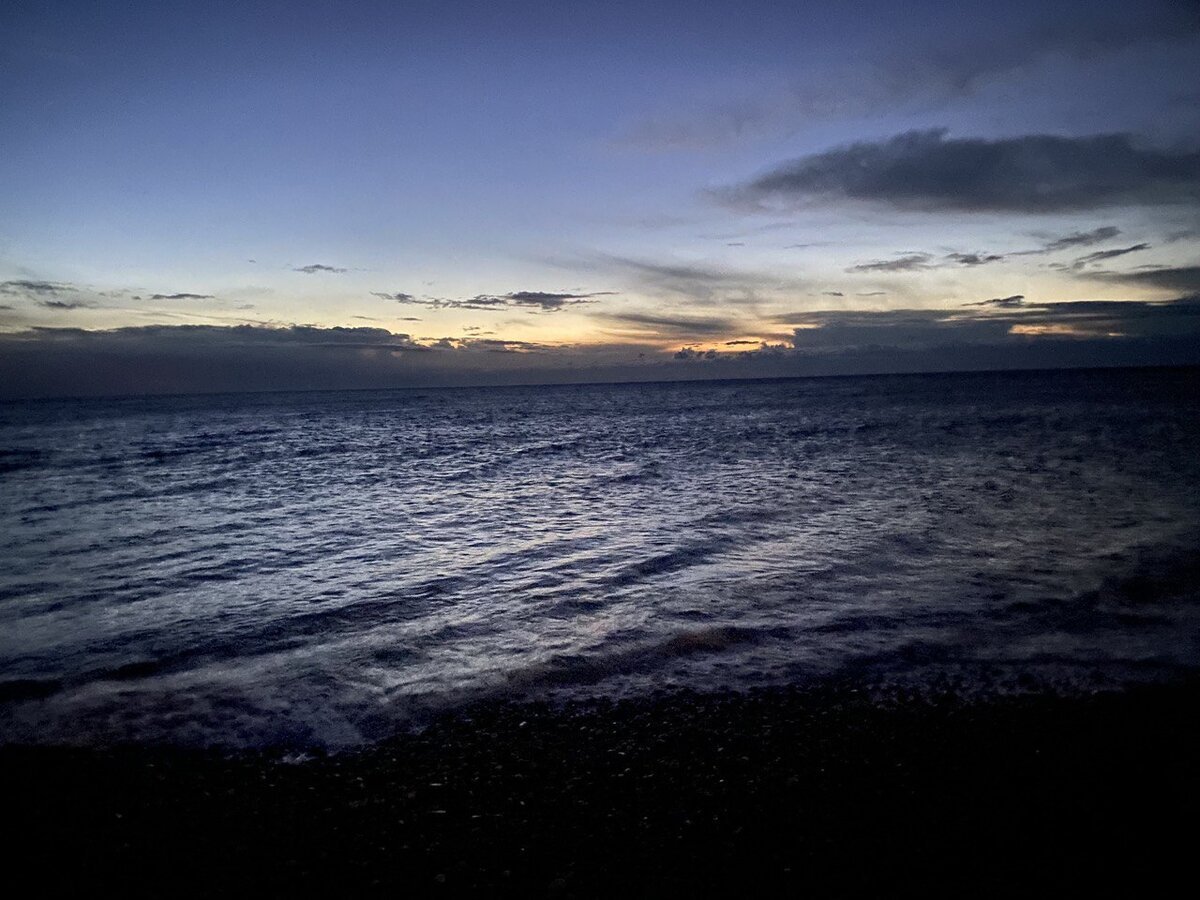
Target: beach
x,y
832,790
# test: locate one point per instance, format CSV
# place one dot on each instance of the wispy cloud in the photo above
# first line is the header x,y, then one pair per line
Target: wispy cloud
x,y
700,283
1077,239
672,326
22,288
911,262
183,296
540,301
973,259
1102,255
66,304
916,76
316,268
1016,300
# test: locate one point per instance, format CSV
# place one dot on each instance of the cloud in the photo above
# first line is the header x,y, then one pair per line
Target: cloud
x,y
684,278
65,304
549,301
1101,255
678,327
160,359
1001,334
1176,278
697,282
927,171
35,288
917,262
911,76
1185,234
1012,302
1078,239
63,295
532,300
691,353
1002,321
912,262
973,259
314,268
363,337
498,345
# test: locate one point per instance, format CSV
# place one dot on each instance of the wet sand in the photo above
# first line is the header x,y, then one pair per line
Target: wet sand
x,y
823,790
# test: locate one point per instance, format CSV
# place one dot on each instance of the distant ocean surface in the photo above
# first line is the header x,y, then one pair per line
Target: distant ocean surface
x,y
327,568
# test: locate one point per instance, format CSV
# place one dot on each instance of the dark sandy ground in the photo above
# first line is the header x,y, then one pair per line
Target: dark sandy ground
x,y
797,791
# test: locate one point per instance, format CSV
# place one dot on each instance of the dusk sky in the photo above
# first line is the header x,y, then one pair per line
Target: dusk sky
x,y
301,195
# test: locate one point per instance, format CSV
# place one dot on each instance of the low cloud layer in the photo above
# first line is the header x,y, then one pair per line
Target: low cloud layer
x,y
1003,332
1000,321
929,171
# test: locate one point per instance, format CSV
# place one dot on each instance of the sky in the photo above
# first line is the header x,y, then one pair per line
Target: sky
x,y
259,195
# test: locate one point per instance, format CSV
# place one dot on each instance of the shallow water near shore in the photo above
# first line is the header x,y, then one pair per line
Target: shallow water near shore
x,y
323,569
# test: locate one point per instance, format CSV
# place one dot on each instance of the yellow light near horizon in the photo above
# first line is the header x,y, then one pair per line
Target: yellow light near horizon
x,y
1051,328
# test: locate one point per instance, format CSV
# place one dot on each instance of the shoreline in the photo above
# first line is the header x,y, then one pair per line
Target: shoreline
x,y
820,788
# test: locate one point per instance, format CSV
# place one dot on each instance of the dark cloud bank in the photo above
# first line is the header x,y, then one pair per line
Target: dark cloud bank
x,y
1002,333
1039,173
1170,278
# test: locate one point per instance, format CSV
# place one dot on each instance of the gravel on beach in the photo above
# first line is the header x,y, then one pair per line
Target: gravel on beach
x,y
829,790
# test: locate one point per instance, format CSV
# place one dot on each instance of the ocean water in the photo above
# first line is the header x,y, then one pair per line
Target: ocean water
x,y
327,568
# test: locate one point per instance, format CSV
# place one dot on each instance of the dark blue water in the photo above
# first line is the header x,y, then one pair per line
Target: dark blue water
x,y
321,568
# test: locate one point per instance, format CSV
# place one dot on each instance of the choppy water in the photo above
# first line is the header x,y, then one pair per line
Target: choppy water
x,y
299,568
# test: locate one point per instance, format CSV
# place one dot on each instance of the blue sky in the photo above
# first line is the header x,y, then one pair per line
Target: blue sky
x,y
596,189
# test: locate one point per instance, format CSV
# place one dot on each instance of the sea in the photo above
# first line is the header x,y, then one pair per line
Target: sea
x,y
326,569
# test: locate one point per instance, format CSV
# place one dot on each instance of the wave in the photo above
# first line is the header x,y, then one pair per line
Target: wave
x,y
593,667
14,459
17,689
